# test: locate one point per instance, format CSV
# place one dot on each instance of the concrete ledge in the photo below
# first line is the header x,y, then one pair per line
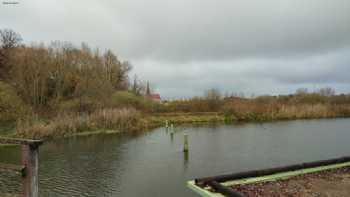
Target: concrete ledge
x,y
202,191
274,177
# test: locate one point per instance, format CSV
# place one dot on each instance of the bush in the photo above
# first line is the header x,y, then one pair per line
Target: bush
x,y
129,99
79,105
12,106
310,98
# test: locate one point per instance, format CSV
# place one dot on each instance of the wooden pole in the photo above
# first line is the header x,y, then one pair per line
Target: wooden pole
x,y
30,164
166,126
172,135
30,180
185,143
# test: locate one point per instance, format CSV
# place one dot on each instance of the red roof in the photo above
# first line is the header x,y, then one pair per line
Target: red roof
x,y
155,96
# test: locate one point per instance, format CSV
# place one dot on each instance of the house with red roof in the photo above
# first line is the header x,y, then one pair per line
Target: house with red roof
x,y
155,97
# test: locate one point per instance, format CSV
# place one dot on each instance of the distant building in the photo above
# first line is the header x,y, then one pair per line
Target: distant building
x,y
155,97
234,98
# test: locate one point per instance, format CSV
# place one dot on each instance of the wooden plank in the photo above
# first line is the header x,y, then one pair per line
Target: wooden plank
x,y
12,168
20,141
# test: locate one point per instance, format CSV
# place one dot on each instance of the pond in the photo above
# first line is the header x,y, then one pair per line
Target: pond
x,y
153,163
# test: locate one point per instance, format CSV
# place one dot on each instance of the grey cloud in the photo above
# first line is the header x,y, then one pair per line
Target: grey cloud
x,y
192,30
325,68
251,76
207,30
186,46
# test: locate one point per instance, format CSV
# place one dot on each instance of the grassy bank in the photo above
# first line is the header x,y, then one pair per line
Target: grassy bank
x,y
104,122
107,122
115,120
68,124
155,120
130,120
215,117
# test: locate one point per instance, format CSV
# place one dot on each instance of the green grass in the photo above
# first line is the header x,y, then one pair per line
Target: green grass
x,y
9,195
7,129
180,118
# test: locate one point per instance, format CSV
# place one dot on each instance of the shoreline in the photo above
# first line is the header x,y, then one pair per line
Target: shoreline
x,y
153,121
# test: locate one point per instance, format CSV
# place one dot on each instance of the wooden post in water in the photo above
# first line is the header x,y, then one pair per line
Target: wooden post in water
x,y
185,143
166,126
30,164
30,179
172,131
172,136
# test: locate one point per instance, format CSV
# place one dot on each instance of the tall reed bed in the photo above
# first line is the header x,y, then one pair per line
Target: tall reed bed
x,y
65,124
254,111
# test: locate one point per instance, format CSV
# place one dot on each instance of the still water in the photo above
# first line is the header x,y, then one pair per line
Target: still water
x,y
153,164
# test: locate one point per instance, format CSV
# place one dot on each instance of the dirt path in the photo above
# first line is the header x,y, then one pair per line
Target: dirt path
x,y
330,183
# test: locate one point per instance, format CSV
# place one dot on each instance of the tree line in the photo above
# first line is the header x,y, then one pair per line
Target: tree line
x,y
45,76
55,88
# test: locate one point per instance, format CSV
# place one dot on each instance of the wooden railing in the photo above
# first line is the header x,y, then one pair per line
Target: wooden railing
x,y
29,165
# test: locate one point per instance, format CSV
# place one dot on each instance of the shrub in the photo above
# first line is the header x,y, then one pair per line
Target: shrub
x,y
12,106
78,105
129,99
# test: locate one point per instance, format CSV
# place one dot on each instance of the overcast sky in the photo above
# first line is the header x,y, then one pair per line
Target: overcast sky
x,y
184,47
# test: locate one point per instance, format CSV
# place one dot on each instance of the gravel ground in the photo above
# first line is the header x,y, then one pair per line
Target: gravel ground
x,y
329,183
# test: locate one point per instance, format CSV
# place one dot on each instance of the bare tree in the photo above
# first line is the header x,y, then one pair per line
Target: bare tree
x,y
45,76
213,97
301,91
138,87
327,91
9,39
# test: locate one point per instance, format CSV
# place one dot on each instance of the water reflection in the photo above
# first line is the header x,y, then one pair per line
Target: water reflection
x,y
151,164
186,160
9,181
